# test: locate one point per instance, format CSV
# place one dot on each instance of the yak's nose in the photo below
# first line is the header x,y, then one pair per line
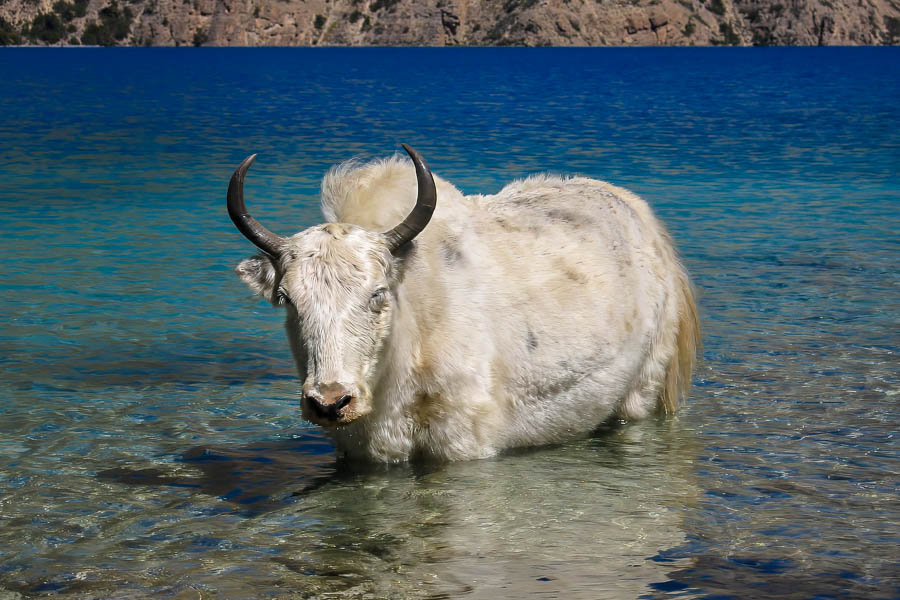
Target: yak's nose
x,y
327,401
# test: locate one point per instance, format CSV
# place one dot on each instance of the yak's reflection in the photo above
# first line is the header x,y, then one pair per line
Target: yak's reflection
x,y
576,521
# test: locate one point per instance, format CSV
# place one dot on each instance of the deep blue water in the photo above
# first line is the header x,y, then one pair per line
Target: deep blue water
x,y
150,441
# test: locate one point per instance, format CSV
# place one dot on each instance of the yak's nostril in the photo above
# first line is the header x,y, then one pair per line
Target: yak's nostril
x,y
314,404
328,410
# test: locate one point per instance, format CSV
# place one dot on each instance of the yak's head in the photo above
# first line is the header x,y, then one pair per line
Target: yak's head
x,y
337,283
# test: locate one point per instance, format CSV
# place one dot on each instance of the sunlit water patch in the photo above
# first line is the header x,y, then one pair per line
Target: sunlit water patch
x,y
150,437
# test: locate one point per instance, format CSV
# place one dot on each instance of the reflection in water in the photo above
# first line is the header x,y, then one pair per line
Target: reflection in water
x,y
576,521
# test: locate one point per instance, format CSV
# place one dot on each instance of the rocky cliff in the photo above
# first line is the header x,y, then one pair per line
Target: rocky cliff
x,y
449,22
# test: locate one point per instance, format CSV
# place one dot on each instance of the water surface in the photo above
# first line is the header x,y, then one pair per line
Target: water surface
x,y
150,439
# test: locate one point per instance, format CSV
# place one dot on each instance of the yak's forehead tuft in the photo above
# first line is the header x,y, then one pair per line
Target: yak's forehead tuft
x,y
334,257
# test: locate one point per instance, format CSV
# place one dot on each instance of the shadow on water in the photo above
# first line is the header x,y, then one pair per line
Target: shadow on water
x,y
257,479
269,475
266,476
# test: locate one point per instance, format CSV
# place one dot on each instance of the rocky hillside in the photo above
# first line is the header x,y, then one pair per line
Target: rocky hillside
x,y
449,22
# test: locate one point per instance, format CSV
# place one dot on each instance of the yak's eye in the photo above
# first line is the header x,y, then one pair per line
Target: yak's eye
x,y
281,298
376,301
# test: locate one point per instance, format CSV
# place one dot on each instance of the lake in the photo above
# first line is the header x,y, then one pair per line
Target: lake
x,y
151,443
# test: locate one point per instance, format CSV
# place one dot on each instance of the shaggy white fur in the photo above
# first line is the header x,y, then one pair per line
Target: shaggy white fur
x,y
527,317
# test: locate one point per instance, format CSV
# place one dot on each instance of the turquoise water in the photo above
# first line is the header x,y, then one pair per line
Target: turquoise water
x,y
150,438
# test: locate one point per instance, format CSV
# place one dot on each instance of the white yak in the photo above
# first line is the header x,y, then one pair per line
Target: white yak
x,y
478,323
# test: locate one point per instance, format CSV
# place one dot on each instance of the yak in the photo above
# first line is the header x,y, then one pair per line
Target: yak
x,y
429,324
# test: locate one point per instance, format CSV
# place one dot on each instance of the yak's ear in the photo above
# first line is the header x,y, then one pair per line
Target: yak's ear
x,y
259,273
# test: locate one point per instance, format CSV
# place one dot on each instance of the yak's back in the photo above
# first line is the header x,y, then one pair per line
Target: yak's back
x,y
571,202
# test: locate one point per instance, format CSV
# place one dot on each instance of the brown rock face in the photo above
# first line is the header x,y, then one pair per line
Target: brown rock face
x,y
450,22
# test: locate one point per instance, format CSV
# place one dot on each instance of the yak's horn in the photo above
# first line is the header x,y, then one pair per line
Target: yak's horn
x,y
261,237
418,218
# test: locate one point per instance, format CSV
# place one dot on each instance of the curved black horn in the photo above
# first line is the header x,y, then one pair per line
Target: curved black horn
x,y
264,239
418,218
